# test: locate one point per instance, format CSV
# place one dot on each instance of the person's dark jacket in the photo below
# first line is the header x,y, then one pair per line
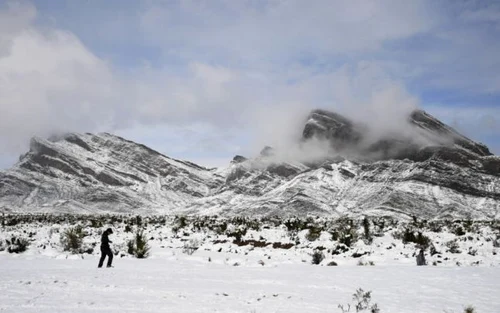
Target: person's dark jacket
x,y
105,240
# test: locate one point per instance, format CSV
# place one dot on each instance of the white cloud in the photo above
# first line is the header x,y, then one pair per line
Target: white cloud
x,y
50,81
280,30
242,67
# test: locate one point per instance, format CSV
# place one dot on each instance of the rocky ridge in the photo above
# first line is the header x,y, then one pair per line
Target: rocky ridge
x,y
429,171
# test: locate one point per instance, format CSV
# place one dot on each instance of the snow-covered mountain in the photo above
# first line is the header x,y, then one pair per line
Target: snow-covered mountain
x,y
426,169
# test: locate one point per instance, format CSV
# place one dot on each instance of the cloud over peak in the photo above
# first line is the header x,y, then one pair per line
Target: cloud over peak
x,y
248,68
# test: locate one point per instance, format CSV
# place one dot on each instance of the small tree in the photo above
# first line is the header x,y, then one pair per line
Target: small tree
x,y
317,257
72,239
366,231
139,246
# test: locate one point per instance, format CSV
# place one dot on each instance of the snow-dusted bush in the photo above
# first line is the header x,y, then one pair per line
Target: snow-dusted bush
x,y
72,239
362,303
17,244
179,223
191,246
317,257
345,231
237,232
313,233
365,263
409,235
469,309
139,246
453,246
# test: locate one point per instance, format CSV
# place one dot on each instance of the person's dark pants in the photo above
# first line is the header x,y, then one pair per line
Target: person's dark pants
x,y
106,251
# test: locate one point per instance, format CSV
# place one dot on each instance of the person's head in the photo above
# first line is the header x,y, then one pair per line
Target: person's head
x,y
109,231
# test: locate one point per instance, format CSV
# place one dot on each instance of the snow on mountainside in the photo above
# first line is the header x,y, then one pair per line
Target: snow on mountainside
x,y
428,170
86,173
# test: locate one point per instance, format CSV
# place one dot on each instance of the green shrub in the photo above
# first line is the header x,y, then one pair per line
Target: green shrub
x,y
469,309
72,239
367,235
313,233
420,239
317,257
345,232
139,246
17,245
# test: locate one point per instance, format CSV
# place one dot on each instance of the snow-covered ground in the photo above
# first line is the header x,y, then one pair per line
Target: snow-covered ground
x,y
241,265
191,284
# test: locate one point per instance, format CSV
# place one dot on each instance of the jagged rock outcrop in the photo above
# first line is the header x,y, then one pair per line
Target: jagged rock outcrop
x,y
429,171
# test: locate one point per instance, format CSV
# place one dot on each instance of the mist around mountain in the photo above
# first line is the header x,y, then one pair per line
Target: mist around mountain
x,y
406,165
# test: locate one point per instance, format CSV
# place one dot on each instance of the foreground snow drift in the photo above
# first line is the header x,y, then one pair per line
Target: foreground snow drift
x,y
170,284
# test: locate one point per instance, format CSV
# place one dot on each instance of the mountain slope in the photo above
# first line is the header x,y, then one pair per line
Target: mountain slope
x,y
428,170
101,172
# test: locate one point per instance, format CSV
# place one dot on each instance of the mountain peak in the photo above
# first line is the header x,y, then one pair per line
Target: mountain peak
x,y
420,132
428,170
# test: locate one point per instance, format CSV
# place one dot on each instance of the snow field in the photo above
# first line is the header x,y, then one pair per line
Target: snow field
x,y
203,265
191,284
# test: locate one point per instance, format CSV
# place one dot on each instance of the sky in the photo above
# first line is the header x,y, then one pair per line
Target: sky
x,y
206,80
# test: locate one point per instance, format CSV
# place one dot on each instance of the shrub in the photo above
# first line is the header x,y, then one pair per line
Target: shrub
x,y
294,224
436,226
139,246
459,230
453,246
191,246
362,302
339,249
317,257
179,223
280,245
332,263
313,233
96,223
128,228
345,232
469,309
367,263
367,236
420,239
17,245
237,234
72,239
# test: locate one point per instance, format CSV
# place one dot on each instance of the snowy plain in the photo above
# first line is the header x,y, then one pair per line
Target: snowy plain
x,y
170,284
221,274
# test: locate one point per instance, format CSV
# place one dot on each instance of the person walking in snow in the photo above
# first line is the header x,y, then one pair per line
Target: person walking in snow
x,y
105,249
